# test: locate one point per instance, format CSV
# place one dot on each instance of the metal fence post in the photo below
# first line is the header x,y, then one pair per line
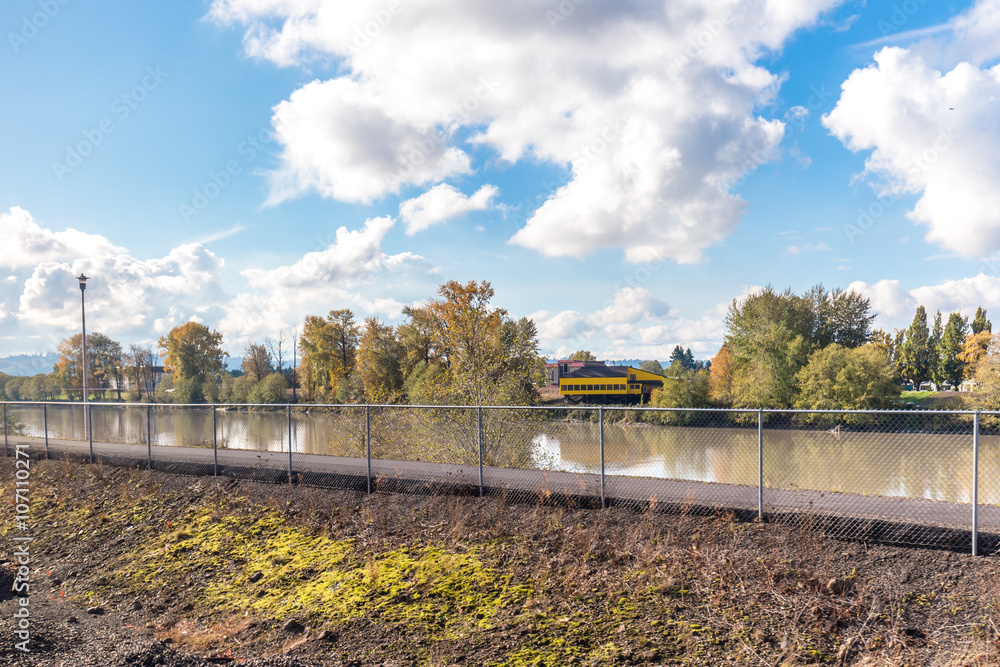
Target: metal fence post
x,y
6,447
600,413
215,442
288,417
149,437
368,445
89,419
479,428
975,484
760,465
45,426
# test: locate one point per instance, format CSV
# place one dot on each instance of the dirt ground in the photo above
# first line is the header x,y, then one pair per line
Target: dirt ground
x,y
143,568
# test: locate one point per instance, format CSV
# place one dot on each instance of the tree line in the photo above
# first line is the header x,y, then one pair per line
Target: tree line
x,y
818,351
815,350
455,349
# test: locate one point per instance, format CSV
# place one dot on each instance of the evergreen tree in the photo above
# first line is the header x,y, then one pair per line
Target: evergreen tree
x,y
950,369
677,355
914,353
980,323
934,346
688,359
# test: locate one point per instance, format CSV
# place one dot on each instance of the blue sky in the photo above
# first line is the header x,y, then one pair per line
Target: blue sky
x,y
618,171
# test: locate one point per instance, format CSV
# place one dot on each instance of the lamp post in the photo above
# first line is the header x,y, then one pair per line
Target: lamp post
x,y
83,311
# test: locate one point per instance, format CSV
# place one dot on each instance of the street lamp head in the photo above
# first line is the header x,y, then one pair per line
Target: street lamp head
x,y
83,281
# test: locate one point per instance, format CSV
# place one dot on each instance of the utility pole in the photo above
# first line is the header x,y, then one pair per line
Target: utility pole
x,y
83,312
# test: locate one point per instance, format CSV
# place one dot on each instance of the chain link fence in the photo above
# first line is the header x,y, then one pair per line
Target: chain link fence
x,y
912,477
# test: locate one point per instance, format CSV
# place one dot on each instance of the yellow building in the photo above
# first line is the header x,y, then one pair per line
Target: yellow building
x,y
606,384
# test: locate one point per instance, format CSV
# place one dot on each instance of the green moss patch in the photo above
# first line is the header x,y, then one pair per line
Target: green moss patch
x,y
267,569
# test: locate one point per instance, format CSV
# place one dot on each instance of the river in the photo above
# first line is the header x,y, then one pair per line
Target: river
x,y
915,465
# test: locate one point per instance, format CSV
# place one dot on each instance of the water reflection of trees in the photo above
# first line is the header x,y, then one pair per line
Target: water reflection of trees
x,y
936,466
913,455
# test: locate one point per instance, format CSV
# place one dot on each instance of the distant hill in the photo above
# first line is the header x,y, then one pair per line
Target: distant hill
x,y
610,362
28,364
33,364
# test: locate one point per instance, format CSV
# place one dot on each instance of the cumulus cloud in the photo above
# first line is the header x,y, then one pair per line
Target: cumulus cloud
x,y
634,324
352,257
443,202
340,138
126,297
353,271
651,108
139,300
26,243
896,304
931,121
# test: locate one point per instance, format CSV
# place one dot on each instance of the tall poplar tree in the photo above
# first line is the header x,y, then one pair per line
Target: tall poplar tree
x,y
950,369
980,323
914,353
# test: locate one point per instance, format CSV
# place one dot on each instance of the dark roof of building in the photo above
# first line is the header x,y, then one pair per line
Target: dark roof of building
x,y
598,372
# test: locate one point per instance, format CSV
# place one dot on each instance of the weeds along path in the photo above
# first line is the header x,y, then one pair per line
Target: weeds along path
x,y
215,568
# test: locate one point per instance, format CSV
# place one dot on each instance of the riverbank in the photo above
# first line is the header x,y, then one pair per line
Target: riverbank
x,y
222,569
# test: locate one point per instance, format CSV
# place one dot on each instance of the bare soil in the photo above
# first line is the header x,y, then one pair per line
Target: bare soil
x,y
180,571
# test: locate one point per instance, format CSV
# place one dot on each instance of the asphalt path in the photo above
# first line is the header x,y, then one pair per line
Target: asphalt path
x,y
875,518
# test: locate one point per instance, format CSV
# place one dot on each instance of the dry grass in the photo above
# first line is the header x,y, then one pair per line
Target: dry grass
x,y
708,590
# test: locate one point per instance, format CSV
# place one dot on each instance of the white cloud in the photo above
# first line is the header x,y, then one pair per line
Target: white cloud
x,y
126,296
631,305
814,247
443,202
342,139
353,271
351,258
139,300
26,244
634,324
653,108
929,118
129,298
896,305
975,32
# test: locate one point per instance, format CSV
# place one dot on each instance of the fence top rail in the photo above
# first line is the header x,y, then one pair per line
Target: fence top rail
x,y
564,408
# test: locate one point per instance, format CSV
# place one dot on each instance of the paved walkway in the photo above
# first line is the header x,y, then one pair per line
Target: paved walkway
x,y
879,518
